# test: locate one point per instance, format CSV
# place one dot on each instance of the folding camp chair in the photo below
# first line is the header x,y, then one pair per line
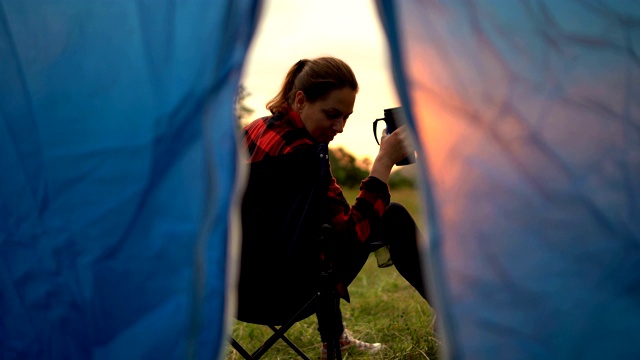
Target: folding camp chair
x,y
283,277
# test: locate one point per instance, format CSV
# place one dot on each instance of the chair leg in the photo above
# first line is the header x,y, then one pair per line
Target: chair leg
x,y
278,334
291,344
240,349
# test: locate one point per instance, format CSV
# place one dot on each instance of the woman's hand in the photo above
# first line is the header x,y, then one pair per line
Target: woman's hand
x,y
393,148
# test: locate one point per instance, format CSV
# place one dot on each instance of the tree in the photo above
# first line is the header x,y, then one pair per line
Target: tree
x,y
242,111
403,178
349,172
345,168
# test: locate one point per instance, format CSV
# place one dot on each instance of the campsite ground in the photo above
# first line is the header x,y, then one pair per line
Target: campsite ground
x,y
384,308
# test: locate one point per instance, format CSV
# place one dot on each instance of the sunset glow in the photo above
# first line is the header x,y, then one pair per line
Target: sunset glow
x,y
290,30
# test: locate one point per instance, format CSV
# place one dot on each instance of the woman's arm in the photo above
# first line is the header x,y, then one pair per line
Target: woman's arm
x,y
392,150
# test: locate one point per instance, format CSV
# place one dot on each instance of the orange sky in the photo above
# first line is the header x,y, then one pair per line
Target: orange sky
x,y
290,30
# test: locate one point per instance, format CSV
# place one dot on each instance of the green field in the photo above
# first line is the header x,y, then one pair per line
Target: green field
x,y
384,308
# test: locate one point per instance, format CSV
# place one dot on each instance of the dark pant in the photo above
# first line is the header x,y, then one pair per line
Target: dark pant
x,y
397,231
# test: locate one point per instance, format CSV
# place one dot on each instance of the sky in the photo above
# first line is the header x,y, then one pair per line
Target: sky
x,y
290,30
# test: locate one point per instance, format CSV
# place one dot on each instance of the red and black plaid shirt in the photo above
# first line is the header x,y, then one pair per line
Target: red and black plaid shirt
x,y
284,133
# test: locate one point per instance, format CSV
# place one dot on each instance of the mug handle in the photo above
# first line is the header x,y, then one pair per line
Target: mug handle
x,y
375,126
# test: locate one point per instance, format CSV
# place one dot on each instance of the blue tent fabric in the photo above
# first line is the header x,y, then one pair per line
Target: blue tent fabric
x,y
528,119
118,161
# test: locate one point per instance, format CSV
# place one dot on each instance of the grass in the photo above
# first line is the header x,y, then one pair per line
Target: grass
x,y
384,308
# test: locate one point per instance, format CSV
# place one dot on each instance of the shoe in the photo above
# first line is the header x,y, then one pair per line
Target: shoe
x,y
348,341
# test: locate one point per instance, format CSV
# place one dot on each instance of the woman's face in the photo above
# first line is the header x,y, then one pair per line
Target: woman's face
x,y
326,118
